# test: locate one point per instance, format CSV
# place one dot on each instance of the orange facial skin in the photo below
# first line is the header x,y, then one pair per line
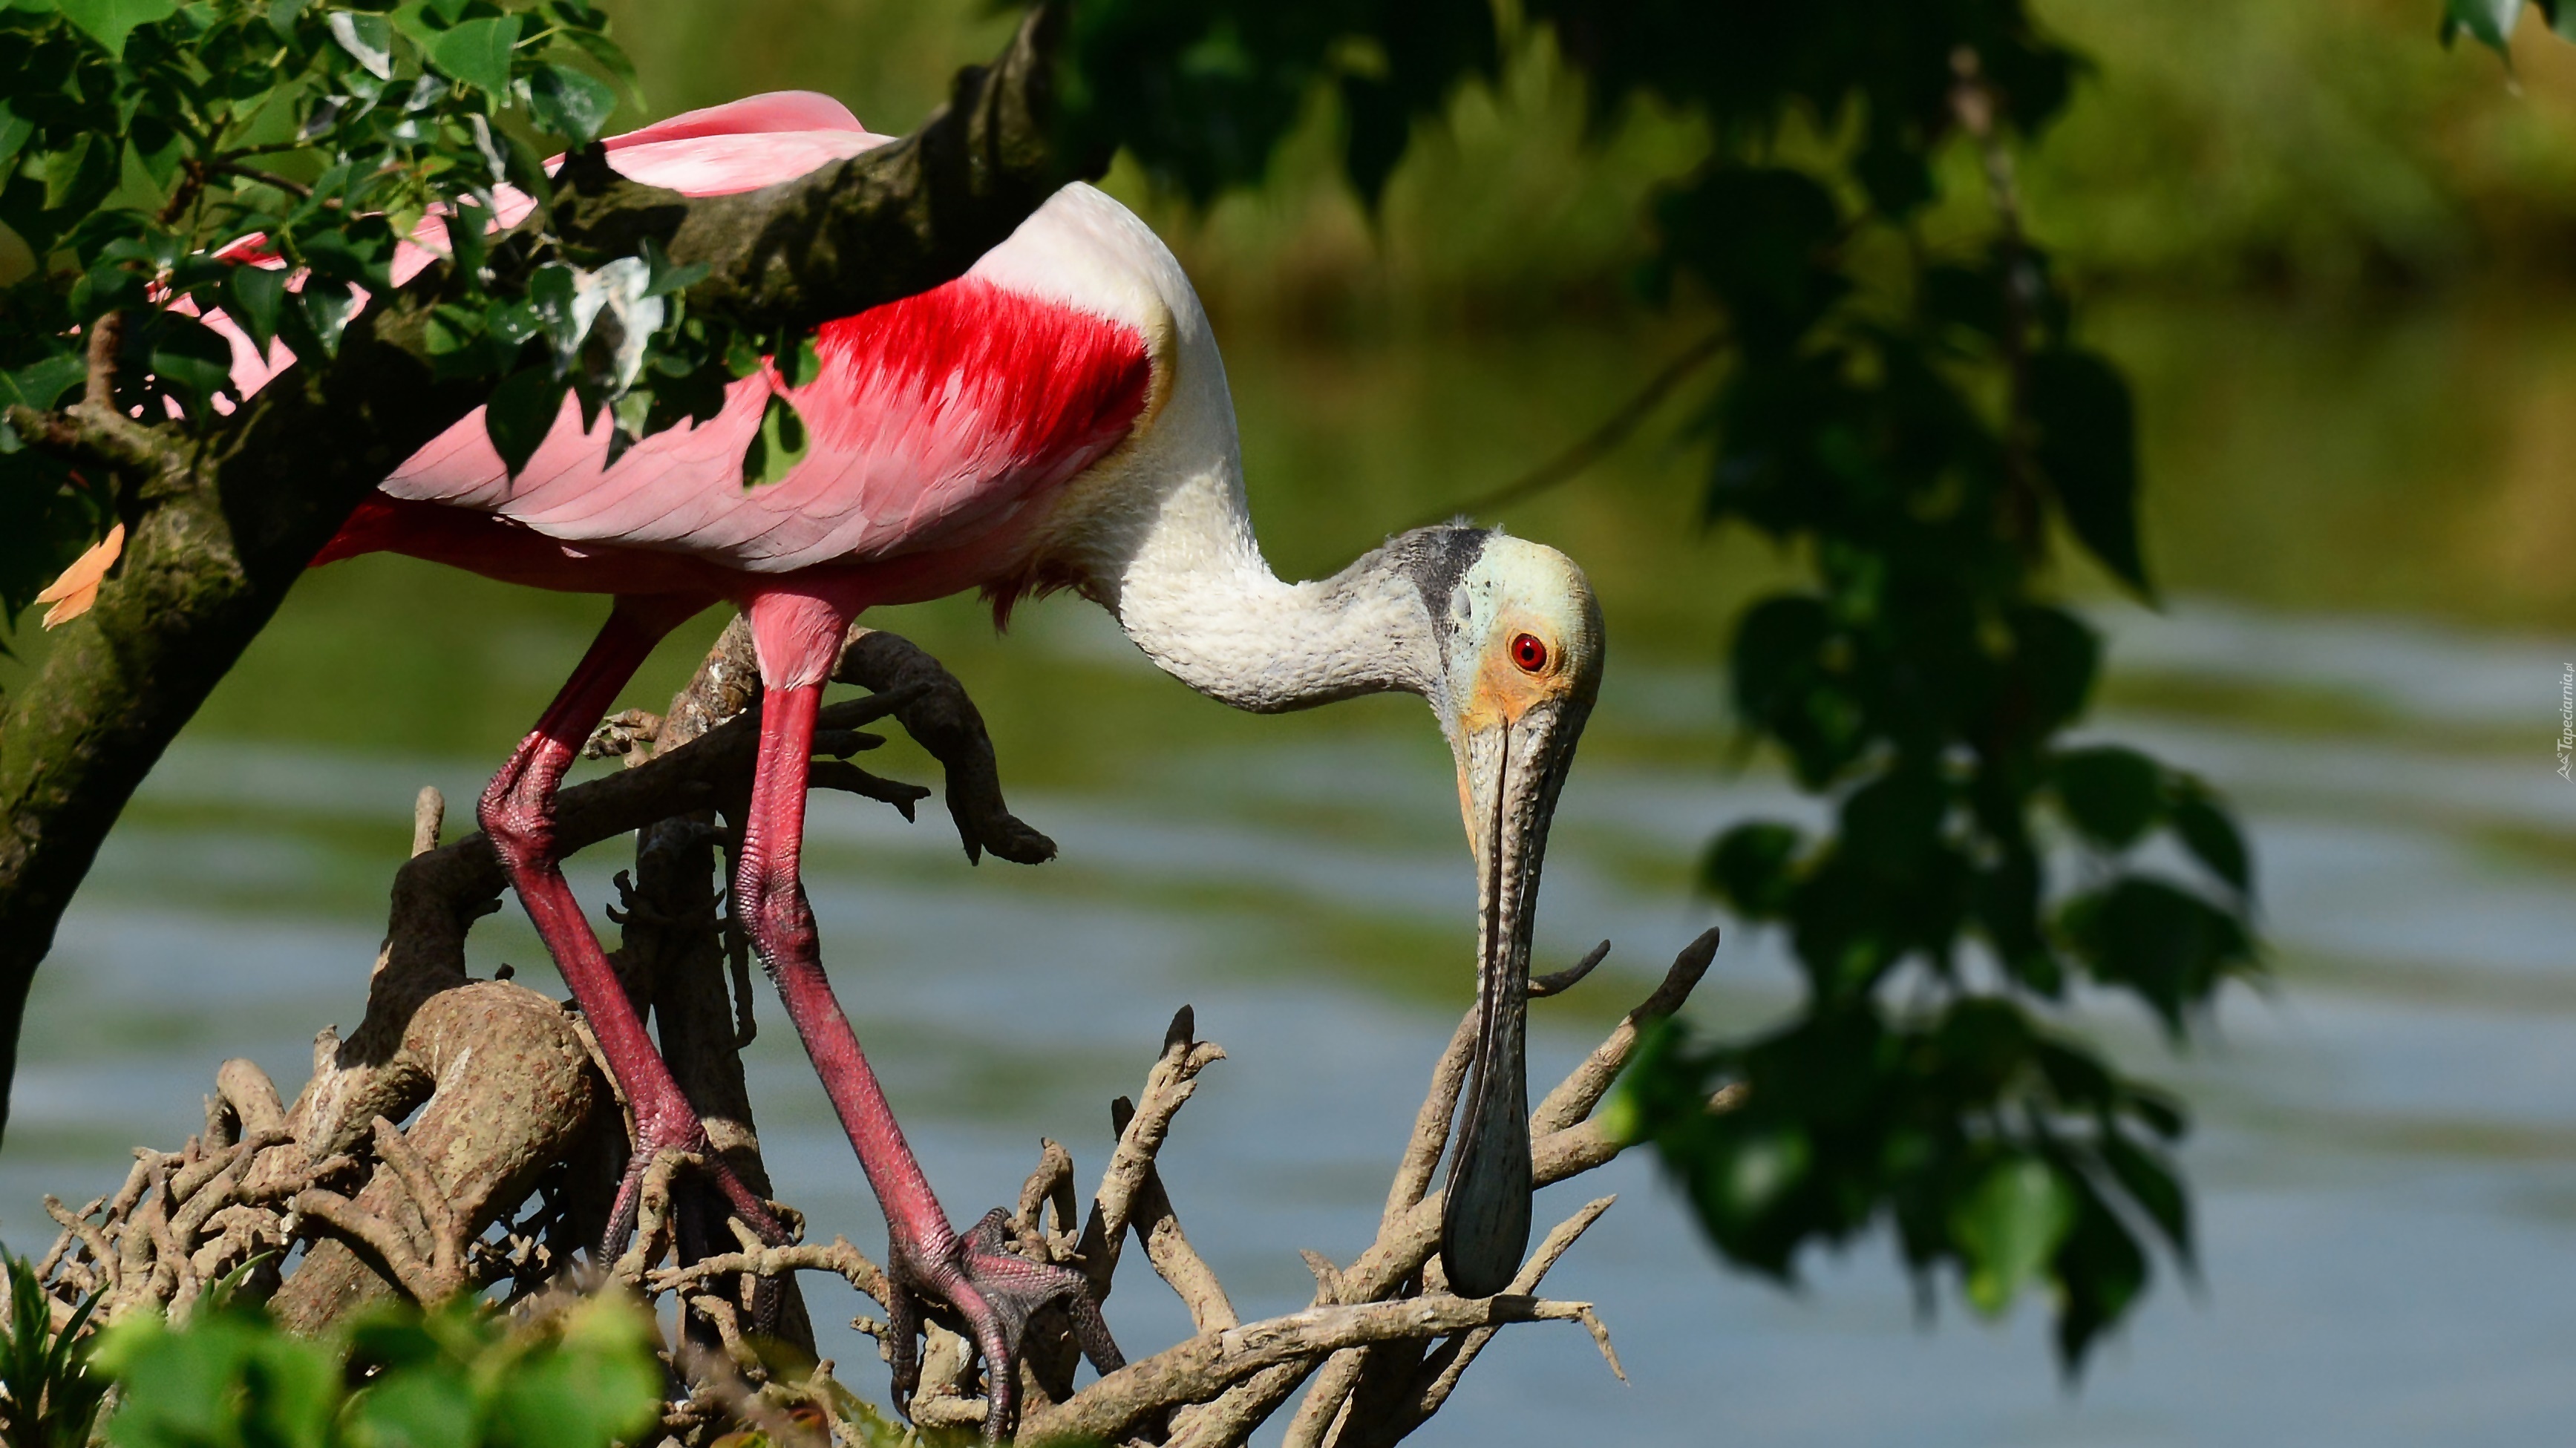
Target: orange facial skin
x,y
1504,690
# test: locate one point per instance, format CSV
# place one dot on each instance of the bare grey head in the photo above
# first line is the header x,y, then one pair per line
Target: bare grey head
x,y
1518,634
1503,637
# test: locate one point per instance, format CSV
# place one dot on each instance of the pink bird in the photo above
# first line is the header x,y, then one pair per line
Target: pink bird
x,y
1056,418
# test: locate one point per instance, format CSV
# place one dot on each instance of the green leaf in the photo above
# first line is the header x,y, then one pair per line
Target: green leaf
x,y
2007,1226
2087,447
664,278
452,328
577,1400
370,38
429,1405
2054,660
254,296
1784,683
551,293
109,22
324,310
42,384
2489,22
599,1384
611,59
797,363
2100,1272
2150,1182
190,357
477,52
1752,867
2167,945
777,448
522,411
2112,794
15,131
569,103
107,288
231,1378
77,175
2212,837
1746,1184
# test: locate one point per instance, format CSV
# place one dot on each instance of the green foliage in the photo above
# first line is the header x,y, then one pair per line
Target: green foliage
x,y
153,156
1202,91
456,1377
2491,22
48,1396
1910,407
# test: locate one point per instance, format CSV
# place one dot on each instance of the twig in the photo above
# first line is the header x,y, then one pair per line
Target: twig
x,y
1210,1361
1583,1088
1595,445
1167,1086
1174,1259
838,1257
244,1087
428,813
219,1191
1973,103
90,1236
1408,1238
1050,1182
1450,1361
106,340
364,1229
63,1240
1558,982
438,1214
1431,1125
296,189
653,1214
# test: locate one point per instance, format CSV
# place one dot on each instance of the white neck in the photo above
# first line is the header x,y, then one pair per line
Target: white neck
x,y
1160,535
1197,597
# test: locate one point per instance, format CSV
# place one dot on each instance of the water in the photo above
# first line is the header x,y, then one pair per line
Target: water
x,y
2386,1156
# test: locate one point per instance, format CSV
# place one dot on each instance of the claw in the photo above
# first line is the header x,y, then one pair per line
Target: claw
x,y
990,1291
694,1209
937,713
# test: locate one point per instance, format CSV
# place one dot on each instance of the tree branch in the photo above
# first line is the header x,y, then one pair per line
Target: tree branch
x,y
234,516
1205,1365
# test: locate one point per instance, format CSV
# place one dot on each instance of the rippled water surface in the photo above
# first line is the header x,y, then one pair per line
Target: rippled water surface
x,y
2365,652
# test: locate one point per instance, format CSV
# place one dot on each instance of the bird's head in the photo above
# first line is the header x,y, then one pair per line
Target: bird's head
x,y
1518,635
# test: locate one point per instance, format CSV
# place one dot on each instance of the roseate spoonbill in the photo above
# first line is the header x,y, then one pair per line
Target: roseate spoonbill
x,y
1056,418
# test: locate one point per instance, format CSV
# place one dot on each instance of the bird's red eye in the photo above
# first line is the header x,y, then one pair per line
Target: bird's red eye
x,y
1529,653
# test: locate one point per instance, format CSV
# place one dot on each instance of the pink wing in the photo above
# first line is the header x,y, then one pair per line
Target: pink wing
x,y
930,417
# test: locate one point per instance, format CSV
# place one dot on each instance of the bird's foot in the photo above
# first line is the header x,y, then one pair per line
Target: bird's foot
x,y
678,1192
987,1292
935,710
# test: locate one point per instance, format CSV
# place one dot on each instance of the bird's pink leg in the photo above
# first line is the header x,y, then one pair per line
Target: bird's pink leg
x,y
517,815
992,1289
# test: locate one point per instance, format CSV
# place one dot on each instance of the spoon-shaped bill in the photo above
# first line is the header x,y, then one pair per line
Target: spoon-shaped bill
x,y
1512,771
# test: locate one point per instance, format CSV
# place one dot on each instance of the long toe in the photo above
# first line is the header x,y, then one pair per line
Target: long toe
x,y
994,1293
695,1201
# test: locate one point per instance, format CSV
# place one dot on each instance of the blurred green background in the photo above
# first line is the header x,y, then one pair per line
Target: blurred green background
x,y
2334,258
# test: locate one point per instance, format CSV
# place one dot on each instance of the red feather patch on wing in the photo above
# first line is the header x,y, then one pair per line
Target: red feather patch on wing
x,y
933,420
